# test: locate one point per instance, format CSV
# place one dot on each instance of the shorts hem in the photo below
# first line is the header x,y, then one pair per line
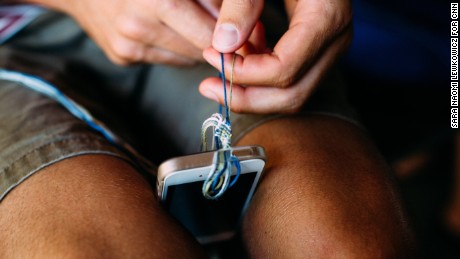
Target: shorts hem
x,y
248,127
50,153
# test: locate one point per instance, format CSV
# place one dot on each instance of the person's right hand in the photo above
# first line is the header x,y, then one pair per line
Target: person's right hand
x,y
152,31
280,80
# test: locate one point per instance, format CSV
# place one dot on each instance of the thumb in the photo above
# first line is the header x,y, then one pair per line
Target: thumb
x,y
236,21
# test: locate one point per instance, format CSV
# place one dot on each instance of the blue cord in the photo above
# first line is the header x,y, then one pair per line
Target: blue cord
x,y
41,86
237,164
224,83
218,179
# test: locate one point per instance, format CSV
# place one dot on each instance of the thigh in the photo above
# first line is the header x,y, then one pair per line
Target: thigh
x,y
89,206
36,131
326,192
66,191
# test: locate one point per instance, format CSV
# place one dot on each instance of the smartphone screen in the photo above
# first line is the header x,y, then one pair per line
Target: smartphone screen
x,y
180,182
203,217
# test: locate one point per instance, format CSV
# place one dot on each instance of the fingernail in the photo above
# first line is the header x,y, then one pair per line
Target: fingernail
x,y
211,95
226,36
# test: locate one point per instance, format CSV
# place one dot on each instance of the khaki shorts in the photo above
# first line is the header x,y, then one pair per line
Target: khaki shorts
x,y
155,108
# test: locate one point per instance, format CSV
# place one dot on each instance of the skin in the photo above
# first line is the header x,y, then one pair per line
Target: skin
x,y
287,75
183,32
91,206
143,31
326,191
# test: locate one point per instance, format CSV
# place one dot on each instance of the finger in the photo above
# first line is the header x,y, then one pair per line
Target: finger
x,y
212,6
265,99
158,35
256,43
297,50
279,68
257,38
262,99
236,21
124,51
188,19
161,56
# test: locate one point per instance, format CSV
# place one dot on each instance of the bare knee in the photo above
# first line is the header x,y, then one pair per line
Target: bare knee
x,y
326,193
86,207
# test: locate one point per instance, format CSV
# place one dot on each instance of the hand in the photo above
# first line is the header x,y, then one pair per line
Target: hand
x,y
155,31
282,79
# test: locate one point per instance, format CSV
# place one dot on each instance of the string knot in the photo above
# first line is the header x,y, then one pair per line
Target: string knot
x,y
224,161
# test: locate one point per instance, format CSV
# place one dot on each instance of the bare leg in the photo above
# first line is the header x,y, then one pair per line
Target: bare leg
x,y
326,193
91,206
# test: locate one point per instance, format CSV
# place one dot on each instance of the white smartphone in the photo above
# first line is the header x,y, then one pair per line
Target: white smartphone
x,y
179,185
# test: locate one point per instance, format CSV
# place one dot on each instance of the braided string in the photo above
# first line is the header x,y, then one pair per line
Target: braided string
x,y
218,179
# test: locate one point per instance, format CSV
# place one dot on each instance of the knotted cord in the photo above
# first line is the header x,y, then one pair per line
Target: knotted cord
x,y
218,179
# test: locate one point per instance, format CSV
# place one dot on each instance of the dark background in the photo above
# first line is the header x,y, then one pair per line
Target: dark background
x,y
398,73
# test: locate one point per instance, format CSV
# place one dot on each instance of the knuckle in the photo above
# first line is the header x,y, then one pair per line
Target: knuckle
x,y
293,105
126,51
339,13
292,100
131,28
118,61
284,80
284,75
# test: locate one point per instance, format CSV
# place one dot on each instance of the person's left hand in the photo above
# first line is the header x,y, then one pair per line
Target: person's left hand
x,y
170,32
279,80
